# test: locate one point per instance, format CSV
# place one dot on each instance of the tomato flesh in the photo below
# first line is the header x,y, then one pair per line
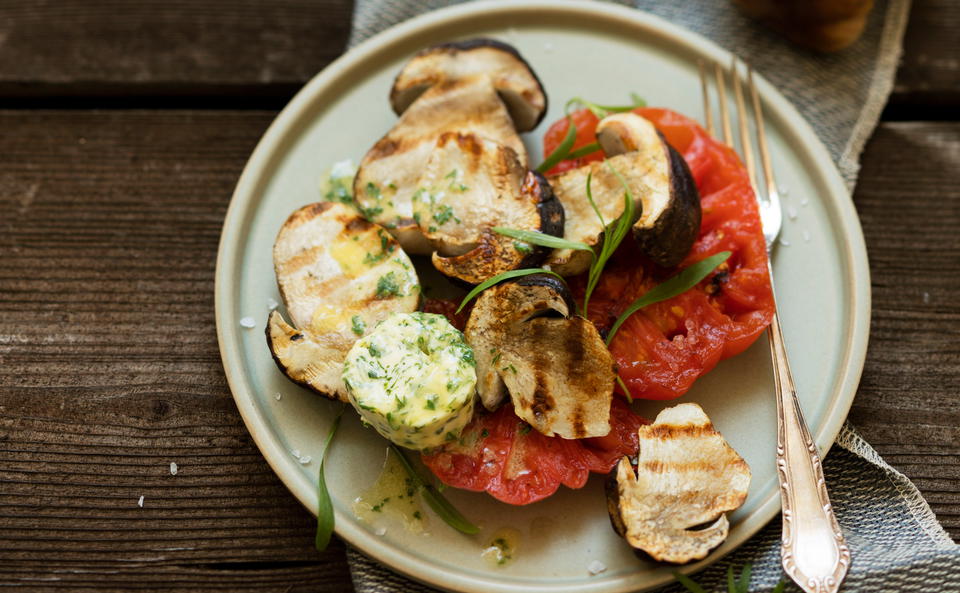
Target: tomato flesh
x,y
660,351
501,454
663,349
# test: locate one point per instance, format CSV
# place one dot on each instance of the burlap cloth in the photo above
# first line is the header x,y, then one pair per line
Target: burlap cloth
x,y
896,541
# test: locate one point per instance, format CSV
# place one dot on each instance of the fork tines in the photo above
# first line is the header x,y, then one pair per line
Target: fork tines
x,y
769,199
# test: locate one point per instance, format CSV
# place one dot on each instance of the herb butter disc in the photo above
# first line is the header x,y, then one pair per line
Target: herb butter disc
x,y
412,378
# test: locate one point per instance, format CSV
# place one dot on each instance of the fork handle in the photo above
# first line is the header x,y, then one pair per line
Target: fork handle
x,y
813,549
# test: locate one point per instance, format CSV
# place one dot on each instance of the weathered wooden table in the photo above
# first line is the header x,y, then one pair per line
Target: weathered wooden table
x,y
123,128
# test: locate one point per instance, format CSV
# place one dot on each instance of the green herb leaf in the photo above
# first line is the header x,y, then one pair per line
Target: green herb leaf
x,y
612,236
743,585
688,583
542,239
671,287
325,519
561,151
440,505
357,325
387,286
593,203
602,111
583,151
500,278
623,386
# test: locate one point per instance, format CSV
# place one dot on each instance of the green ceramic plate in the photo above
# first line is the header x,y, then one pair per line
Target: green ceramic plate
x,y
577,48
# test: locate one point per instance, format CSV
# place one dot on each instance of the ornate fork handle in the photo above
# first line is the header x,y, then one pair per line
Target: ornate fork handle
x,y
813,550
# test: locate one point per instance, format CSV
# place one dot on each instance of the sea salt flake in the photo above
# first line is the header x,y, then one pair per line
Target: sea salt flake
x,y
305,460
784,242
804,202
784,191
173,468
926,297
791,212
806,236
548,47
343,169
248,322
381,531
596,567
278,396
140,502
272,304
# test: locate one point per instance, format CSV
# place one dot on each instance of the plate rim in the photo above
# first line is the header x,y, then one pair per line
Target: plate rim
x,y
229,256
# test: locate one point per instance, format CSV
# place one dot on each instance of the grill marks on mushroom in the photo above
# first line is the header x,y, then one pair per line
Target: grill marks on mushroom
x,y
338,276
557,370
516,83
454,166
687,476
389,174
666,201
471,185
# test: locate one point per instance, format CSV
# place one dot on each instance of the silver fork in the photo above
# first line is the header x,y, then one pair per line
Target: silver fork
x,y
812,549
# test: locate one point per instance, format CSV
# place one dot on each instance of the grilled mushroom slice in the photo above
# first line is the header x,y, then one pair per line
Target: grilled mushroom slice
x,y
687,476
666,200
557,370
514,80
388,175
338,276
470,185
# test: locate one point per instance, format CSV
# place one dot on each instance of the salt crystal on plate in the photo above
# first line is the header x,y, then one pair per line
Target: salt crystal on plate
x,y
343,169
278,396
785,191
380,531
596,567
806,236
305,460
804,202
295,453
792,212
248,322
140,502
173,468
272,304
784,242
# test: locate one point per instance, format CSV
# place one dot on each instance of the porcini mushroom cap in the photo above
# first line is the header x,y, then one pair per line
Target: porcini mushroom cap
x,y
666,201
554,365
338,276
687,477
514,80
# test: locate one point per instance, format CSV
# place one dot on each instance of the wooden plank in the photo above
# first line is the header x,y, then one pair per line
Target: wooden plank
x,y
266,49
109,367
929,72
908,199
167,47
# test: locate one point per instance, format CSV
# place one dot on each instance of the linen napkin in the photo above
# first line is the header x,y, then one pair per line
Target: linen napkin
x,y
896,542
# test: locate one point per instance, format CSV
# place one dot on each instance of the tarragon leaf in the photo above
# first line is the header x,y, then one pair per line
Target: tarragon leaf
x,y
500,278
440,505
325,518
561,151
671,287
542,239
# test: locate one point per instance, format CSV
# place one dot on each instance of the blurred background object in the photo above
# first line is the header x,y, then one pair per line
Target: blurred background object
x,y
822,25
